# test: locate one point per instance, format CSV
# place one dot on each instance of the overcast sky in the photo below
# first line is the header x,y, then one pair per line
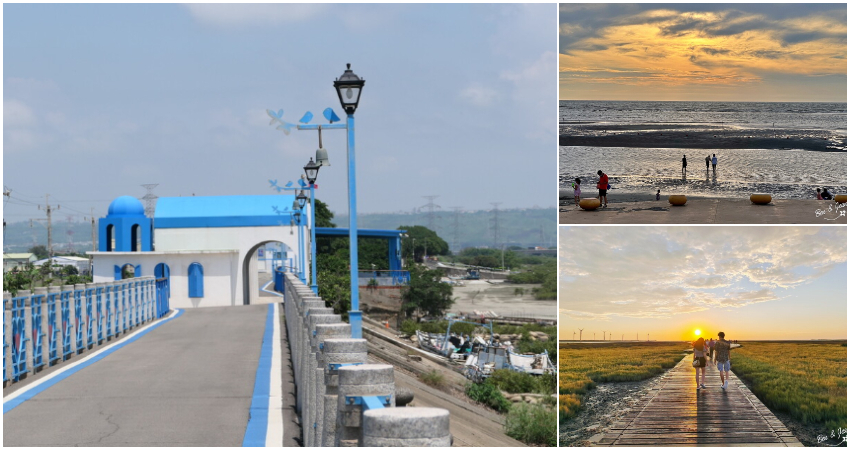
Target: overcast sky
x,y
99,99
716,52
750,282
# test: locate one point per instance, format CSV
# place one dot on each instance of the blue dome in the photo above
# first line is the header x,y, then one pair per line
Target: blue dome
x,y
126,206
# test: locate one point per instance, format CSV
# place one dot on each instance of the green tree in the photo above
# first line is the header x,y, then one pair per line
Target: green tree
x,y
426,294
421,240
40,251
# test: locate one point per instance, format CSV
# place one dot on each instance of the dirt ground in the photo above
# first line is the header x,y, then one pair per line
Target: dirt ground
x,y
503,299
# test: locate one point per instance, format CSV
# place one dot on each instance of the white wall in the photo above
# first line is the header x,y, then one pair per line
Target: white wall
x,y
245,240
221,269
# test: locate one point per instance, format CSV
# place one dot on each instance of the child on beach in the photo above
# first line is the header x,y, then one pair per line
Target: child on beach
x,y
577,190
658,195
819,196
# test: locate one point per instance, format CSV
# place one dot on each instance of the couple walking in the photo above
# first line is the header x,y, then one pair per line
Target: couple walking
x,y
718,353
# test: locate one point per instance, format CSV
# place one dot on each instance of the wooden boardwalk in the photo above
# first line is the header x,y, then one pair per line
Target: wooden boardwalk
x,y
675,414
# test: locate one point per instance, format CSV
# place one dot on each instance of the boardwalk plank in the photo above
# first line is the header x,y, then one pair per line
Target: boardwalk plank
x,y
675,413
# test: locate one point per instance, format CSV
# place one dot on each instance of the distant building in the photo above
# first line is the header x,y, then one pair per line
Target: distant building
x,y
12,260
82,264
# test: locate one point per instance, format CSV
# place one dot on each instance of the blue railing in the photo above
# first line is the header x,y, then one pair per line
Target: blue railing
x,y
47,327
278,279
384,277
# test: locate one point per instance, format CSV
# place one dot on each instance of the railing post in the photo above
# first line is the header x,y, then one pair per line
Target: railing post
x,y
38,323
53,329
79,290
65,299
406,427
89,315
364,380
337,353
98,289
7,335
324,331
20,341
315,316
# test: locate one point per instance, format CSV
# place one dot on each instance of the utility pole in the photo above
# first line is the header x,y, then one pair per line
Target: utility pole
x,y
456,227
496,237
49,211
93,242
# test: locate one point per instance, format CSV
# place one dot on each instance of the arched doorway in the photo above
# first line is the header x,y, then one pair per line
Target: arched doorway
x,y
258,270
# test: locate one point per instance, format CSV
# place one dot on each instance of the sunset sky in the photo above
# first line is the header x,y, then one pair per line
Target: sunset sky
x,y
723,52
750,282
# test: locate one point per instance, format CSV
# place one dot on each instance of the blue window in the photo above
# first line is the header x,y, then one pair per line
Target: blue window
x,y
196,280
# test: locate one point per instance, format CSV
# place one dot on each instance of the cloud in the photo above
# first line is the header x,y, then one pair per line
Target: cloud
x,y
662,272
739,44
479,95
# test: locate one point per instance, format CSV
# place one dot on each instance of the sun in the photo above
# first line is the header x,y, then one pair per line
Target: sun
x,y
697,332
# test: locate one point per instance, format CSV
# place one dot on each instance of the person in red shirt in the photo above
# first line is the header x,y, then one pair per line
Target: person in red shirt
x,y
603,188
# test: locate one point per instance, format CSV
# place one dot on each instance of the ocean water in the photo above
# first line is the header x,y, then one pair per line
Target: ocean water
x,y
786,173
831,117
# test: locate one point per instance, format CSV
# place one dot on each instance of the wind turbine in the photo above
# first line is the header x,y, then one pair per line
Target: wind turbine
x,y
574,335
579,333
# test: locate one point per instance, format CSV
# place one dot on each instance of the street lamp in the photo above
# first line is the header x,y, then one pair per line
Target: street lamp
x,y
311,171
348,88
296,208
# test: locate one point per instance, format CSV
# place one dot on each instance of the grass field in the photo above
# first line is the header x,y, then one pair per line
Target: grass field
x,y
581,366
806,380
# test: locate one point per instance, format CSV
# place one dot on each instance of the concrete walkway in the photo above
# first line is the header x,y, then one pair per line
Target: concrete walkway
x,y
709,211
188,382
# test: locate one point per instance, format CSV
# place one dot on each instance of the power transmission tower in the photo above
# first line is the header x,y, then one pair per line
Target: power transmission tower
x,y
496,237
49,210
150,199
455,245
430,207
70,233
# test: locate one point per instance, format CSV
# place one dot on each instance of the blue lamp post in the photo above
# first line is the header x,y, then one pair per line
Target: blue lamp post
x,y
348,88
312,171
297,217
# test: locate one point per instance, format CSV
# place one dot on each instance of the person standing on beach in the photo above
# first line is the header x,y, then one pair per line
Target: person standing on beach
x,y
699,361
684,164
707,160
603,187
577,190
724,363
714,162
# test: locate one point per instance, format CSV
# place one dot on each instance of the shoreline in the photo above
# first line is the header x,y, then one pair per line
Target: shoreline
x,y
639,137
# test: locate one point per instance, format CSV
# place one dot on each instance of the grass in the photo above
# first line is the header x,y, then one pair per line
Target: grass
x,y
433,378
533,424
488,394
521,383
806,380
581,366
